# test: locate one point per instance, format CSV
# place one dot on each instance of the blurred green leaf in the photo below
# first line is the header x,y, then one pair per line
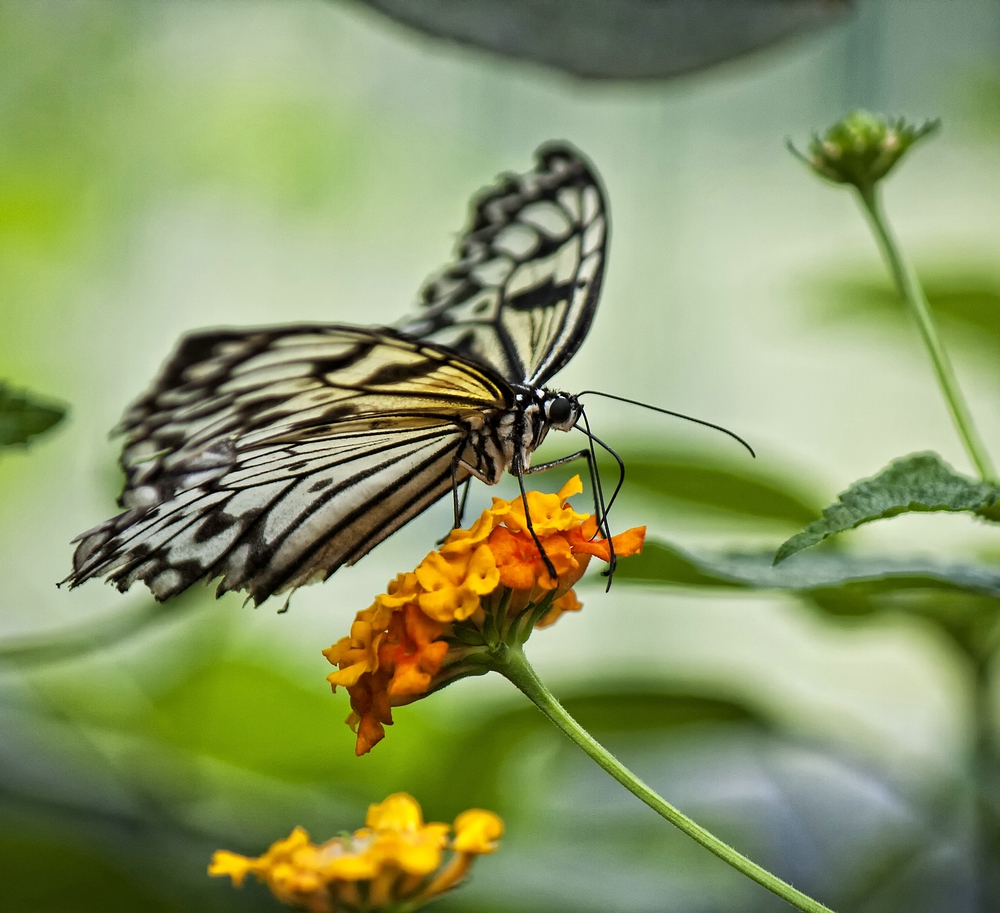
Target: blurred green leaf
x,y
616,39
687,479
919,482
256,718
77,641
667,564
971,618
662,563
967,298
24,416
42,877
478,760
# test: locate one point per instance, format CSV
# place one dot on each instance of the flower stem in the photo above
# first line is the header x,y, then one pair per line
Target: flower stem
x,y
909,288
511,662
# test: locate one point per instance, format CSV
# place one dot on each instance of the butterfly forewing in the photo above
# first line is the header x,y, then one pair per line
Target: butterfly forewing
x,y
521,295
272,457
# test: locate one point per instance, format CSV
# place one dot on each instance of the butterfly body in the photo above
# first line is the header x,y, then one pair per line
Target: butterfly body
x,y
270,457
512,436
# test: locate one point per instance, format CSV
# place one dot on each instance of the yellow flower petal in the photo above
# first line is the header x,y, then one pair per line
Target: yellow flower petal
x,y
416,853
436,571
460,541
401,591
573,487
356,654
396,860
477,831
232,864
399,812
352,867
482,576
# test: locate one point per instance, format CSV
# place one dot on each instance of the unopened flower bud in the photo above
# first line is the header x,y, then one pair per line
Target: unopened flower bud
x,y
862,148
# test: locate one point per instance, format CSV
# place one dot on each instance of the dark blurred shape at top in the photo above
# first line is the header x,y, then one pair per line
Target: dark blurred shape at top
x,y
616,39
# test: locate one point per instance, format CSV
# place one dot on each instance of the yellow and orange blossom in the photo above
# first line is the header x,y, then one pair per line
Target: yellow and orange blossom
x,y
430,626
396,857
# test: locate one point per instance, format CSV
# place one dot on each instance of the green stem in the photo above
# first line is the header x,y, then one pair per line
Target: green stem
x,y
513,665
913,294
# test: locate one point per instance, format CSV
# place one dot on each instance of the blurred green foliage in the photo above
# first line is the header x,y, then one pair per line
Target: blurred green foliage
x,y
966,299
23,416
85,882
736,487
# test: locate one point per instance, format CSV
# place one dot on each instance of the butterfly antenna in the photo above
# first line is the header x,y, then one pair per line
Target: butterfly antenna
x,y
595,479
687,418
617,459
595,476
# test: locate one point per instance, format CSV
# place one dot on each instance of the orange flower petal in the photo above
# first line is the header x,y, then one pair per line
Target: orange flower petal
x,y
626,544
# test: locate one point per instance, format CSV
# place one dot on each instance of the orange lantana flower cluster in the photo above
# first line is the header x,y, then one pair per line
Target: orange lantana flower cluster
x,y
394,859
489,581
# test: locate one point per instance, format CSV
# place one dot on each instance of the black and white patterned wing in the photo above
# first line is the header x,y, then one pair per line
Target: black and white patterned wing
x,y
522,294
272,457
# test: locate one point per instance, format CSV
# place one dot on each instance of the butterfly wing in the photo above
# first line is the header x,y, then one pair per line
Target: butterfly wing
x,y
272,457
522,293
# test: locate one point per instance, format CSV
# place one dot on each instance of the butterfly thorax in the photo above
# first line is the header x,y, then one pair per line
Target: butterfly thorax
x,y
515,433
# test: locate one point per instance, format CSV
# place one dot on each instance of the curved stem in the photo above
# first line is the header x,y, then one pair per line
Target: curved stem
x,y
913,294
513,665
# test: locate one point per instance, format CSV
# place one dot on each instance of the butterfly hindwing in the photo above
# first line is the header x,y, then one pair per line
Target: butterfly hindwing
x,y
522,293
272,457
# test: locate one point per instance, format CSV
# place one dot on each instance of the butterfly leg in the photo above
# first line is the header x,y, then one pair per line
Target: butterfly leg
x,y
461,506
519,471
594,480
600,511
457,504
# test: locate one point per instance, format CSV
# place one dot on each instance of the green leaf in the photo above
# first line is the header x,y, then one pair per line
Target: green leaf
x,y
74,642
480,759
693,480
22,416
663,563
919,482
965,298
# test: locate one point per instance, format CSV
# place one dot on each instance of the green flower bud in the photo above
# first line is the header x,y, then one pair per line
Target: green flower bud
x,y
862,148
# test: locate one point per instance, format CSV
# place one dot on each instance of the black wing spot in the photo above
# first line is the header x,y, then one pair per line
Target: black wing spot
x,y
212,525
398,374
332,365
541,296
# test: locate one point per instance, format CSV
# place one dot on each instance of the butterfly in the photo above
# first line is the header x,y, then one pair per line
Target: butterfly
x,y
270,457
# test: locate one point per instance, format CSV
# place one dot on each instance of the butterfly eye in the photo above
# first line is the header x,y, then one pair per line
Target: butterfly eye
x,y
560,409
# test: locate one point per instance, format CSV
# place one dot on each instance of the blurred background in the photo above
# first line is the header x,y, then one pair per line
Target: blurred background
x,y
178,164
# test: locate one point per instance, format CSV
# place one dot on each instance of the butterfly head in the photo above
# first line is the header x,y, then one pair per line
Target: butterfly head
x,y
561,410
